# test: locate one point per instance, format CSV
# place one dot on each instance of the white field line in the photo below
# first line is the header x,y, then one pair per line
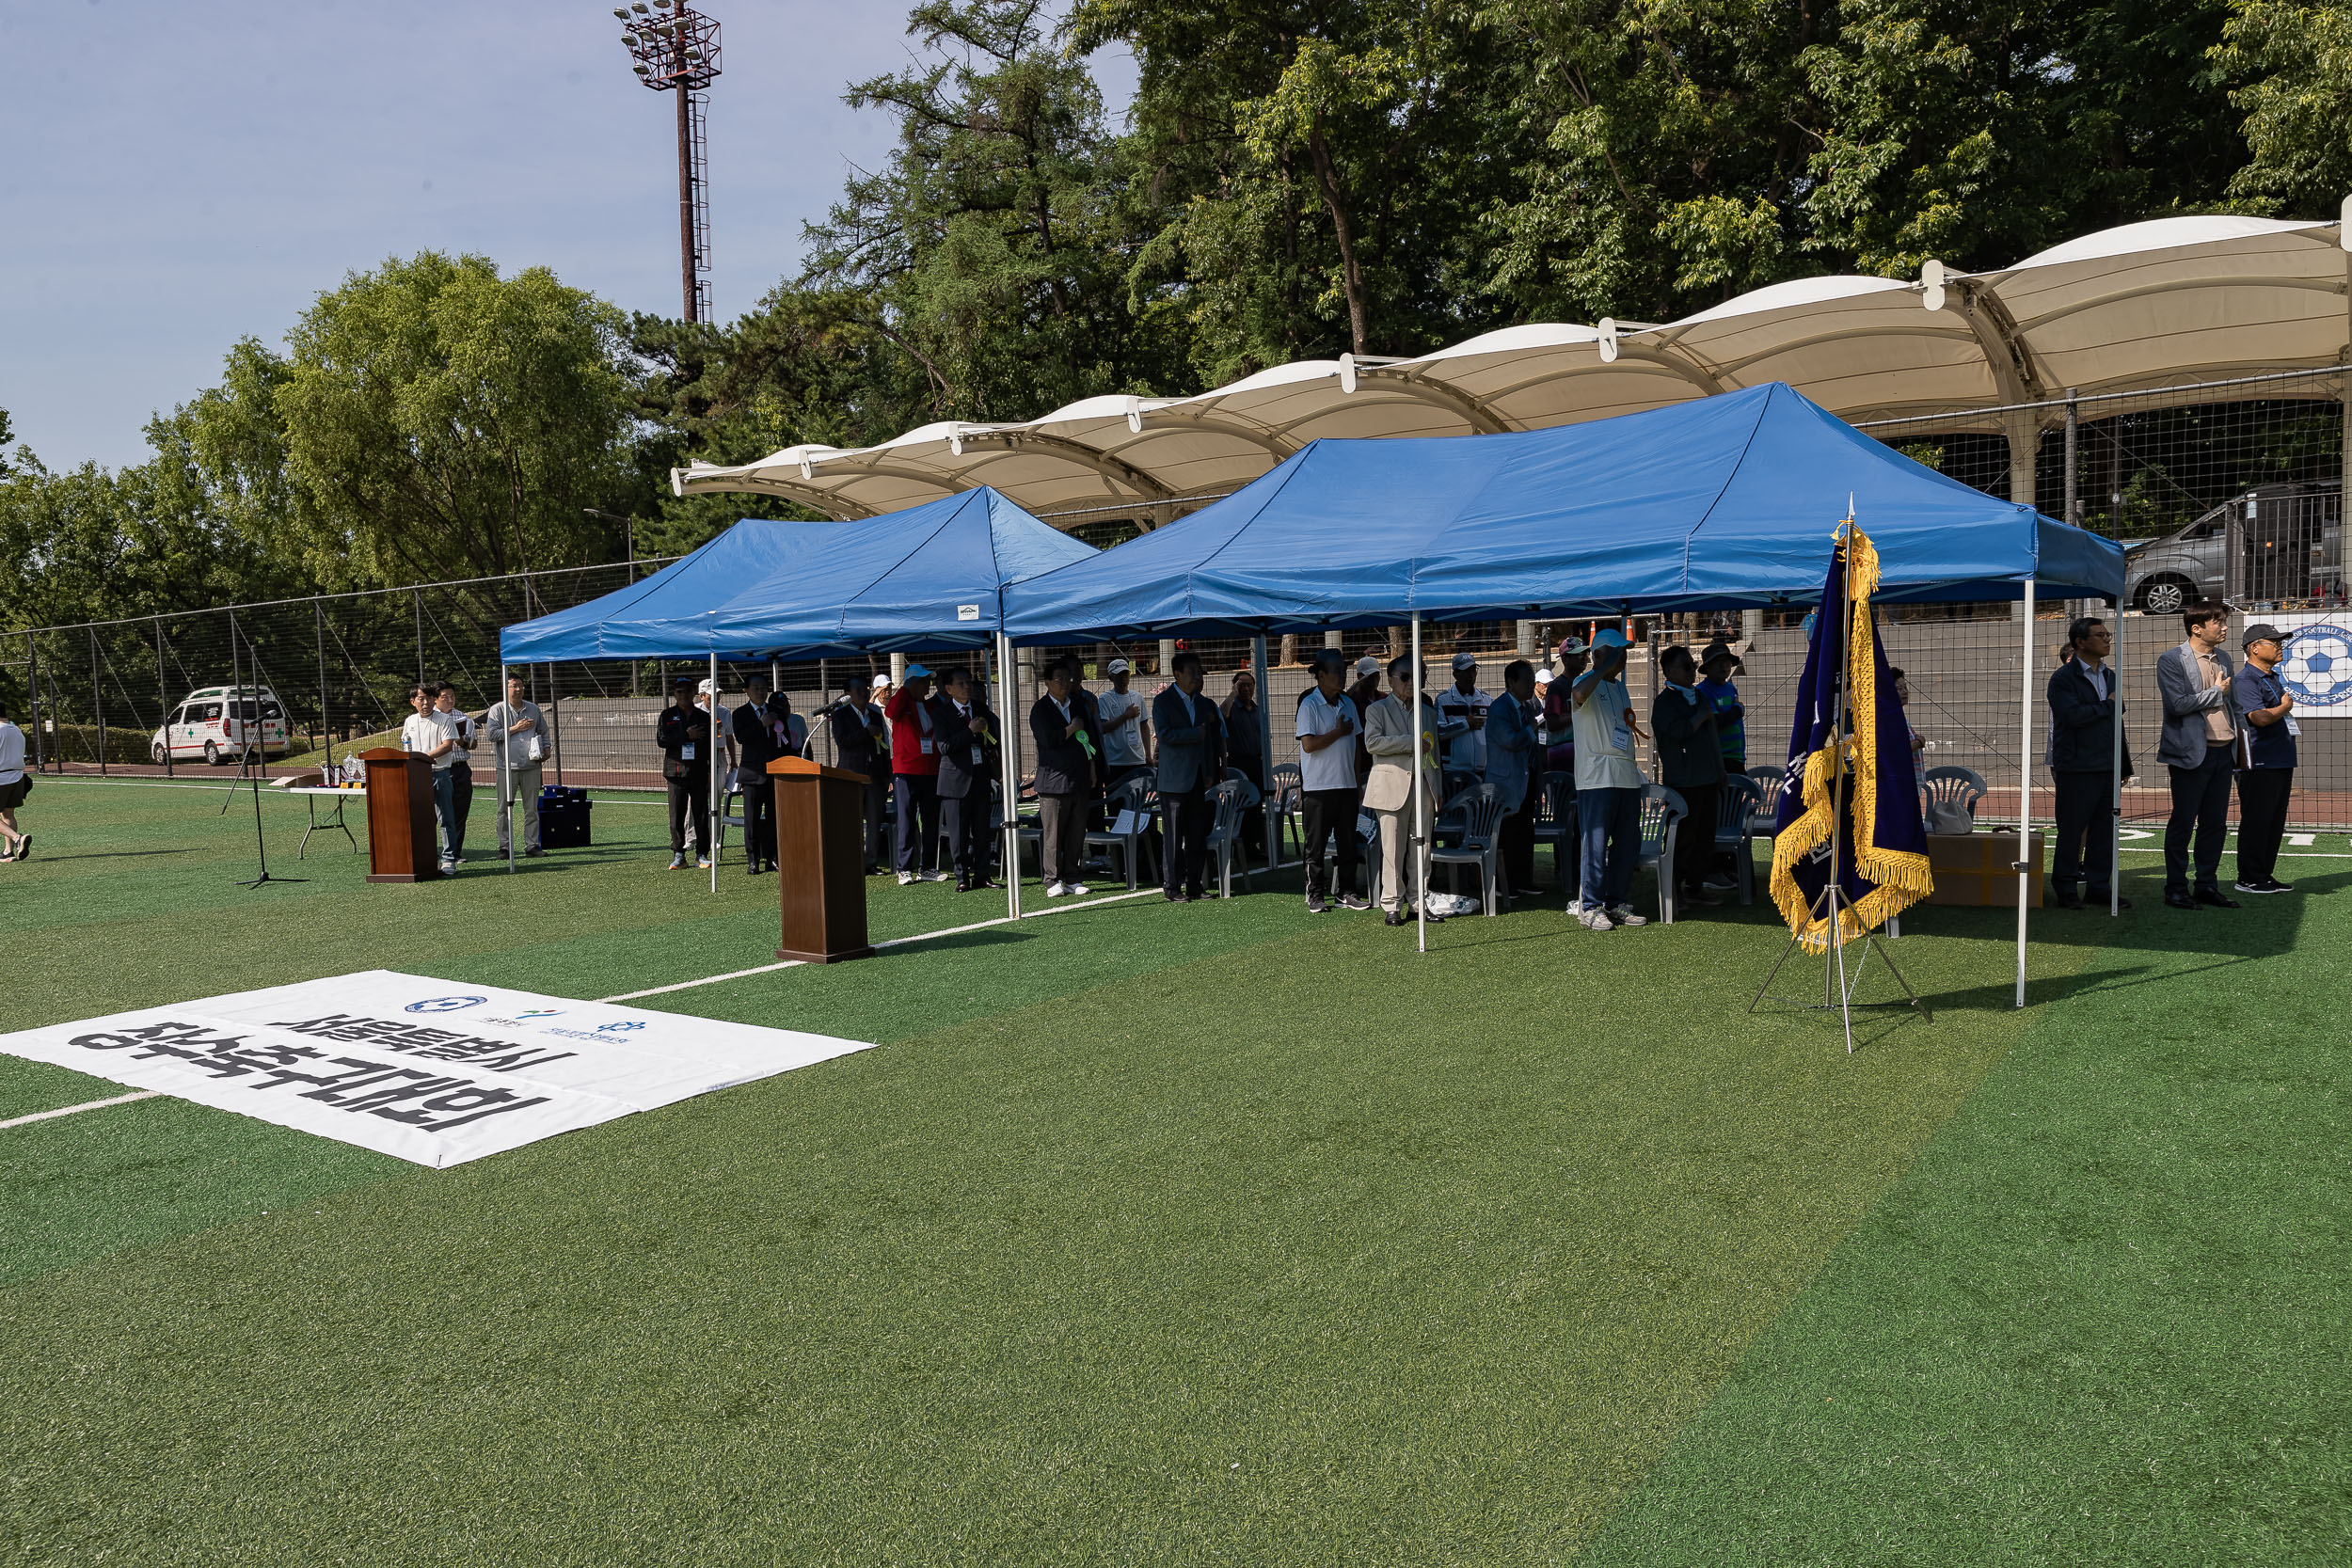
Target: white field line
x,y
894,942
77,1110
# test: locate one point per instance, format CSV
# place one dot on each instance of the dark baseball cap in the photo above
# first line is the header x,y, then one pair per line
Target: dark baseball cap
x,y
2263,632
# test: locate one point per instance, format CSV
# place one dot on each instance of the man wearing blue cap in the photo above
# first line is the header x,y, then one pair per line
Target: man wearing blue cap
x,y
1608,787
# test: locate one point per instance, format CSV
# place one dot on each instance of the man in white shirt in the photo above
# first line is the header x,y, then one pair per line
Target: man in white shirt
x,y
518,724
425,733
1463,707
1608,787
1126,726
12,788
1327,726
447,714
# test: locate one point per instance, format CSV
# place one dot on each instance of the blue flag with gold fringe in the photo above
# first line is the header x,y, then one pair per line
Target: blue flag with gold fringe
x,y
1850,803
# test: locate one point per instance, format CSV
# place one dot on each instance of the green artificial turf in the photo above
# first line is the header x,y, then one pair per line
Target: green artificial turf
x,y
1154,1234
2103,1320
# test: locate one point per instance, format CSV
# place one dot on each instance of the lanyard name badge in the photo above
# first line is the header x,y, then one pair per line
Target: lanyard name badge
x,y
1621,727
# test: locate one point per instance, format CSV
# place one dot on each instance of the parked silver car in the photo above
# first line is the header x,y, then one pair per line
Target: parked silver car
x,y
2275,544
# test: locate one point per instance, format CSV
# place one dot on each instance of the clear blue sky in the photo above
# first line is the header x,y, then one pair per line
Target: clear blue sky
x,y
174,176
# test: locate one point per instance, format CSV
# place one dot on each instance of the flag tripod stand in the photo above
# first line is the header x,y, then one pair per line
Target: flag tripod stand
x,y
1838,986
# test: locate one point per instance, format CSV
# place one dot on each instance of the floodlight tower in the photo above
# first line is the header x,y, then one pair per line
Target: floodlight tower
x,y
675,48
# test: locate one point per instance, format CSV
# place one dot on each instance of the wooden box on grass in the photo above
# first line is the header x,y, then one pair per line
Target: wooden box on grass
x,y
1978,870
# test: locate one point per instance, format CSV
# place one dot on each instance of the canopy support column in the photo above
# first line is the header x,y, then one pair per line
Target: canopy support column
x,y
718,775
2115,798
1266,755
1010,764
1419,837
506,779
2024,783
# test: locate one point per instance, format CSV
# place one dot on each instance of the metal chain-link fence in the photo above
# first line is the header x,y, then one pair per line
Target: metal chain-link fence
x,y
2220,489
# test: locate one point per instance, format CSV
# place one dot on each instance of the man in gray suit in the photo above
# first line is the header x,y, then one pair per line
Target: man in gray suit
x,y
2201,723
1192,746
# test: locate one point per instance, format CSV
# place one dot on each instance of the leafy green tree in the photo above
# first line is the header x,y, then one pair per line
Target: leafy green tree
x,y
986,250
1980,134
1662,153
1308,176
431,420
2293,59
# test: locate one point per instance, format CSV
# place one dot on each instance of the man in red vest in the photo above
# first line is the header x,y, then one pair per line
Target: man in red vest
x,y
914,764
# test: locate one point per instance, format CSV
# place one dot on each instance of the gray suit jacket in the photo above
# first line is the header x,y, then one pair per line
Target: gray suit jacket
x,y
2187,701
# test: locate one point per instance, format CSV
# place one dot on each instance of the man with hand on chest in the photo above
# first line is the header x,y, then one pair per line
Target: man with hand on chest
x,y
968,753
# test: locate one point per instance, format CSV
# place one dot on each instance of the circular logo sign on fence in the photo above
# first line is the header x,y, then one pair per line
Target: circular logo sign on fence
x,y
2317,668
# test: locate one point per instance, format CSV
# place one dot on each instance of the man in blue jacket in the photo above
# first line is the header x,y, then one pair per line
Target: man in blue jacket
x,y
1192,747
2266,759
1511,768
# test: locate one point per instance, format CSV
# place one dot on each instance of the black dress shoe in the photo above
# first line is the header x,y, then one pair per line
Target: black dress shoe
x,y
2217,898
1394,918
2179,901
2070,900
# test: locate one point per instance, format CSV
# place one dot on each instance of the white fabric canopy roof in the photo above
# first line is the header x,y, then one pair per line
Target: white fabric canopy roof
x,y
2144,306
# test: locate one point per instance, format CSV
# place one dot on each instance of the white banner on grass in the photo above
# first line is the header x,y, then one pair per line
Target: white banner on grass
x,y
421,1069
2317,663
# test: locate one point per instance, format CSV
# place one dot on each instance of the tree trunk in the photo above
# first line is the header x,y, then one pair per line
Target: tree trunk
x,y
1351,275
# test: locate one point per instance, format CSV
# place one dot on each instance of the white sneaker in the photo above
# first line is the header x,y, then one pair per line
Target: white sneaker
x,y
906,879
934,875
1593,920
1075,890
1055,890
1623,914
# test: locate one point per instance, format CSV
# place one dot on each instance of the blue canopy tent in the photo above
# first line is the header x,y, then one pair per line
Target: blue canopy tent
x,y
928,577
931,577
1723,503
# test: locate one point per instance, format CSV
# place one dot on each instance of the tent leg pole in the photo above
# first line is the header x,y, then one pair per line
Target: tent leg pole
x,y
2024,783
506,780
1266,755
1009,765
2115,795
718,775
1415,837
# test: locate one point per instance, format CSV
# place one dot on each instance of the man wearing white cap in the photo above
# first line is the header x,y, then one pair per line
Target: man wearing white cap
x,y
914,782
1126,726
1463,708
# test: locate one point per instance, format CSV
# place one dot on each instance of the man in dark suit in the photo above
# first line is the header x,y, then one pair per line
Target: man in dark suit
x,y
755,749
1069,776
682,730
862,745
2083,716
1192,751
969,758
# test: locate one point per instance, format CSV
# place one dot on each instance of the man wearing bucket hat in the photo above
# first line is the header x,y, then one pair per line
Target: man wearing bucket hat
x,y
1717,665
1608,787
915,781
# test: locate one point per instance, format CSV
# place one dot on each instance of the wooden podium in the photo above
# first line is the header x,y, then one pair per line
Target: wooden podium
x,y
402,844
821,861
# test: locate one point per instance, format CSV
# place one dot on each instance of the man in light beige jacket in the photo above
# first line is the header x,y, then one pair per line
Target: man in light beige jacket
x,y
1388,793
